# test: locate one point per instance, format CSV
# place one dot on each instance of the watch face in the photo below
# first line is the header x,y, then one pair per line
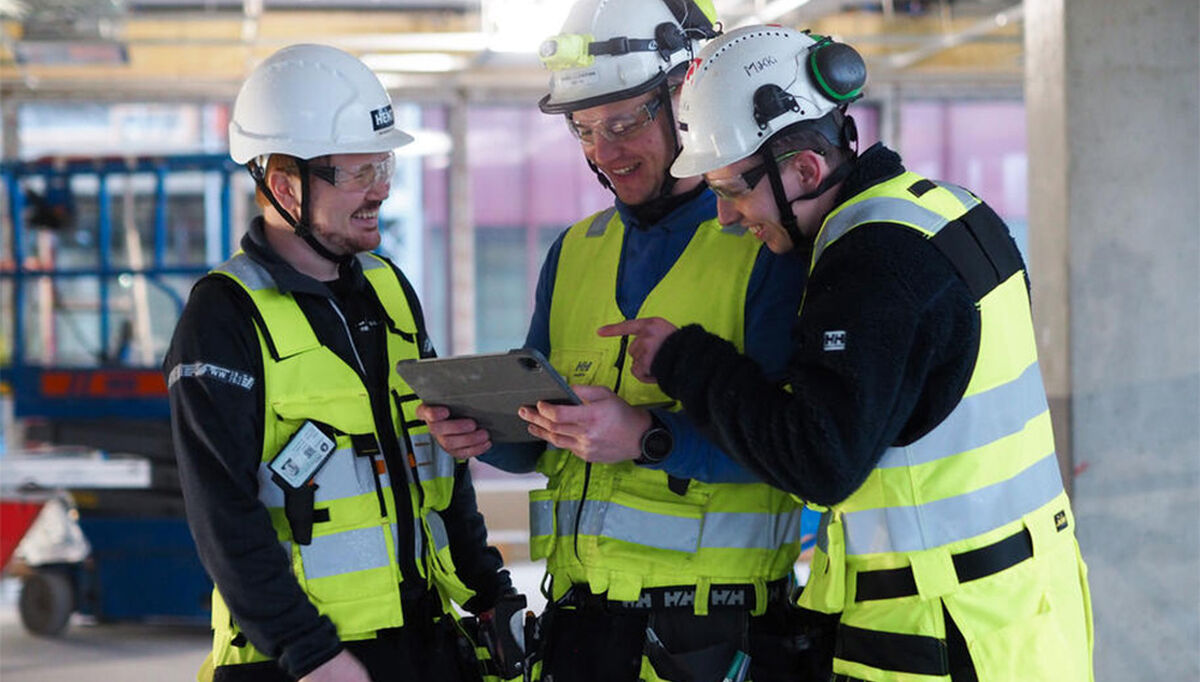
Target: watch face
x,y
656,444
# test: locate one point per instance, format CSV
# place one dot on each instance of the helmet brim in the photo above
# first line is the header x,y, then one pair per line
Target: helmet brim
x,y
243,147
568,106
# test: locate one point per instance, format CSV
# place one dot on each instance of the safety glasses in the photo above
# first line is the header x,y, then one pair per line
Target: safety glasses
x,y
737,186
357,178
617,128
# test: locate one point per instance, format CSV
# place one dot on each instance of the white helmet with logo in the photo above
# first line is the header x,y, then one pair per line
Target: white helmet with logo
x,y
309,101
611,50
754,82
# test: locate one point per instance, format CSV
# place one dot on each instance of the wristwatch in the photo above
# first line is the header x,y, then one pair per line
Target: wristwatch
x,y
657,442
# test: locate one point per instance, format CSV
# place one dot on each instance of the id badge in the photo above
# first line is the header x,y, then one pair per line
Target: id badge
x,y
303,456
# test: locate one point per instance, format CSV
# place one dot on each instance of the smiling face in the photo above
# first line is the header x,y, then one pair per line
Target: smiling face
x,y
636,161
345,217
752,204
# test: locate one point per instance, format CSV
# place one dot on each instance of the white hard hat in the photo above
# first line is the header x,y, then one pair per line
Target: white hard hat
x,y
609,50
309,101
752,83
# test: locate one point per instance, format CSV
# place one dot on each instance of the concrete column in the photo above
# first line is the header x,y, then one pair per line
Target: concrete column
x,y
1114,171
462,235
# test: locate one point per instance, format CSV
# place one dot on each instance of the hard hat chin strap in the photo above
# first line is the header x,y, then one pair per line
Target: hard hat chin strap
x,y
786,215
302,227
673,144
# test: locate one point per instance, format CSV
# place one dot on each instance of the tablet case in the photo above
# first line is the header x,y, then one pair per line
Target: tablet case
x,y
489,388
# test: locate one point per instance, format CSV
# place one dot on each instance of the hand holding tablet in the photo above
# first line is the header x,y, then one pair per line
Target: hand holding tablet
x,y
489,388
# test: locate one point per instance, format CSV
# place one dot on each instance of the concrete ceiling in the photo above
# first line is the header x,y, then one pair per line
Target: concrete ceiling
x,y
148,50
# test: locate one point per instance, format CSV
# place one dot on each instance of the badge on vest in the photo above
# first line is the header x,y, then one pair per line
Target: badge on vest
x,y
835,340
303,456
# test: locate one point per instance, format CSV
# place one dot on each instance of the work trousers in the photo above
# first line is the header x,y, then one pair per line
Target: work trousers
x,y
597,645
428,648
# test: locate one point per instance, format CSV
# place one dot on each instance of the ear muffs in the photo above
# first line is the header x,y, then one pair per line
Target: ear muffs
x,y
837,70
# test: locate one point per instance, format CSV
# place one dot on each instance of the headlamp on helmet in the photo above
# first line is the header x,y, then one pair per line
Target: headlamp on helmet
x,y
566,51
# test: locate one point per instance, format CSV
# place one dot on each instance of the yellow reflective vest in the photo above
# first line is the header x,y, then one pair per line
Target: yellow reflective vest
x,y
970,519
350,570
620,527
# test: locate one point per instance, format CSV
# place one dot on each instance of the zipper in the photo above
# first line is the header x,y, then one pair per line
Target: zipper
x,y
362,370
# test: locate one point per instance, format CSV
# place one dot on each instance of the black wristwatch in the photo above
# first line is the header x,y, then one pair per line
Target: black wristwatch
x,y
657,442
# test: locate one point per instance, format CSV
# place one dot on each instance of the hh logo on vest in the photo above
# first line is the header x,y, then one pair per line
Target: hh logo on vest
x,y
835,340
582,368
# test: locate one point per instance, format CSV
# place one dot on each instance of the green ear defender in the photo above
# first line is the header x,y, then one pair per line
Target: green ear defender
x,y
837,70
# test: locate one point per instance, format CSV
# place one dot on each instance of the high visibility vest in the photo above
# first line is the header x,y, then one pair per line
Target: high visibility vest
x,y
621,527
350,571
984,478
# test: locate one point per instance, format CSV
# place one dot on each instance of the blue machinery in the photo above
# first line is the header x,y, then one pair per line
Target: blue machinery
x,y
142,564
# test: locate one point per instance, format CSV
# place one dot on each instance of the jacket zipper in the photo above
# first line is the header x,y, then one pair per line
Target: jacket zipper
x,y
417,542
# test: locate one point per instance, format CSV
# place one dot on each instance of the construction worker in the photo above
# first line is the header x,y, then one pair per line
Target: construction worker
x,y
916,414
336,533
654,541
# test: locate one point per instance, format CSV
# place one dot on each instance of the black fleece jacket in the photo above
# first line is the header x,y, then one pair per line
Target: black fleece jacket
x,y
217,417
911,333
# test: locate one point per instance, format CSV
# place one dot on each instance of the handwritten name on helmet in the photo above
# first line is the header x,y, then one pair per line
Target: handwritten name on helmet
x,y
755,67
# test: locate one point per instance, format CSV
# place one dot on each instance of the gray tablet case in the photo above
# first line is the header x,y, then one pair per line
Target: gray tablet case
x,y
489,388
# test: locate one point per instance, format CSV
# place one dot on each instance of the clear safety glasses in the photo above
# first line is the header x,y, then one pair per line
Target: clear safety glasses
x,y
357,178
737,186
617,128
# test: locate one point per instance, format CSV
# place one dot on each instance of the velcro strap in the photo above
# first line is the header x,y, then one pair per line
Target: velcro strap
x,y
740,597
914,654
972,565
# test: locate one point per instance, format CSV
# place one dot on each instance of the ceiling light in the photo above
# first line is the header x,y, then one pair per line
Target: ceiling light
x,y
521,25
415,62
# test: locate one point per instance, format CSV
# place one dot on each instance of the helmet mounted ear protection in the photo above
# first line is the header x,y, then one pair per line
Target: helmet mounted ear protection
x,y
836,70
757,83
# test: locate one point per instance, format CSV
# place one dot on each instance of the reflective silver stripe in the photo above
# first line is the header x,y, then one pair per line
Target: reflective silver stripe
x,y
541,519
716,530
432,460
345,552
744,530
881,209
600,222
976,421
968,200
736,229
616,521
607,519
251,274
437,531
933,524
369,262
344,475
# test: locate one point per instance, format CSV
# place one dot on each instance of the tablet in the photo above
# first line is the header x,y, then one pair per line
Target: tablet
x,y
489,388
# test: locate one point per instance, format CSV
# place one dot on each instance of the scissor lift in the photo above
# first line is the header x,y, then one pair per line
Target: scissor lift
x,y
101,254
